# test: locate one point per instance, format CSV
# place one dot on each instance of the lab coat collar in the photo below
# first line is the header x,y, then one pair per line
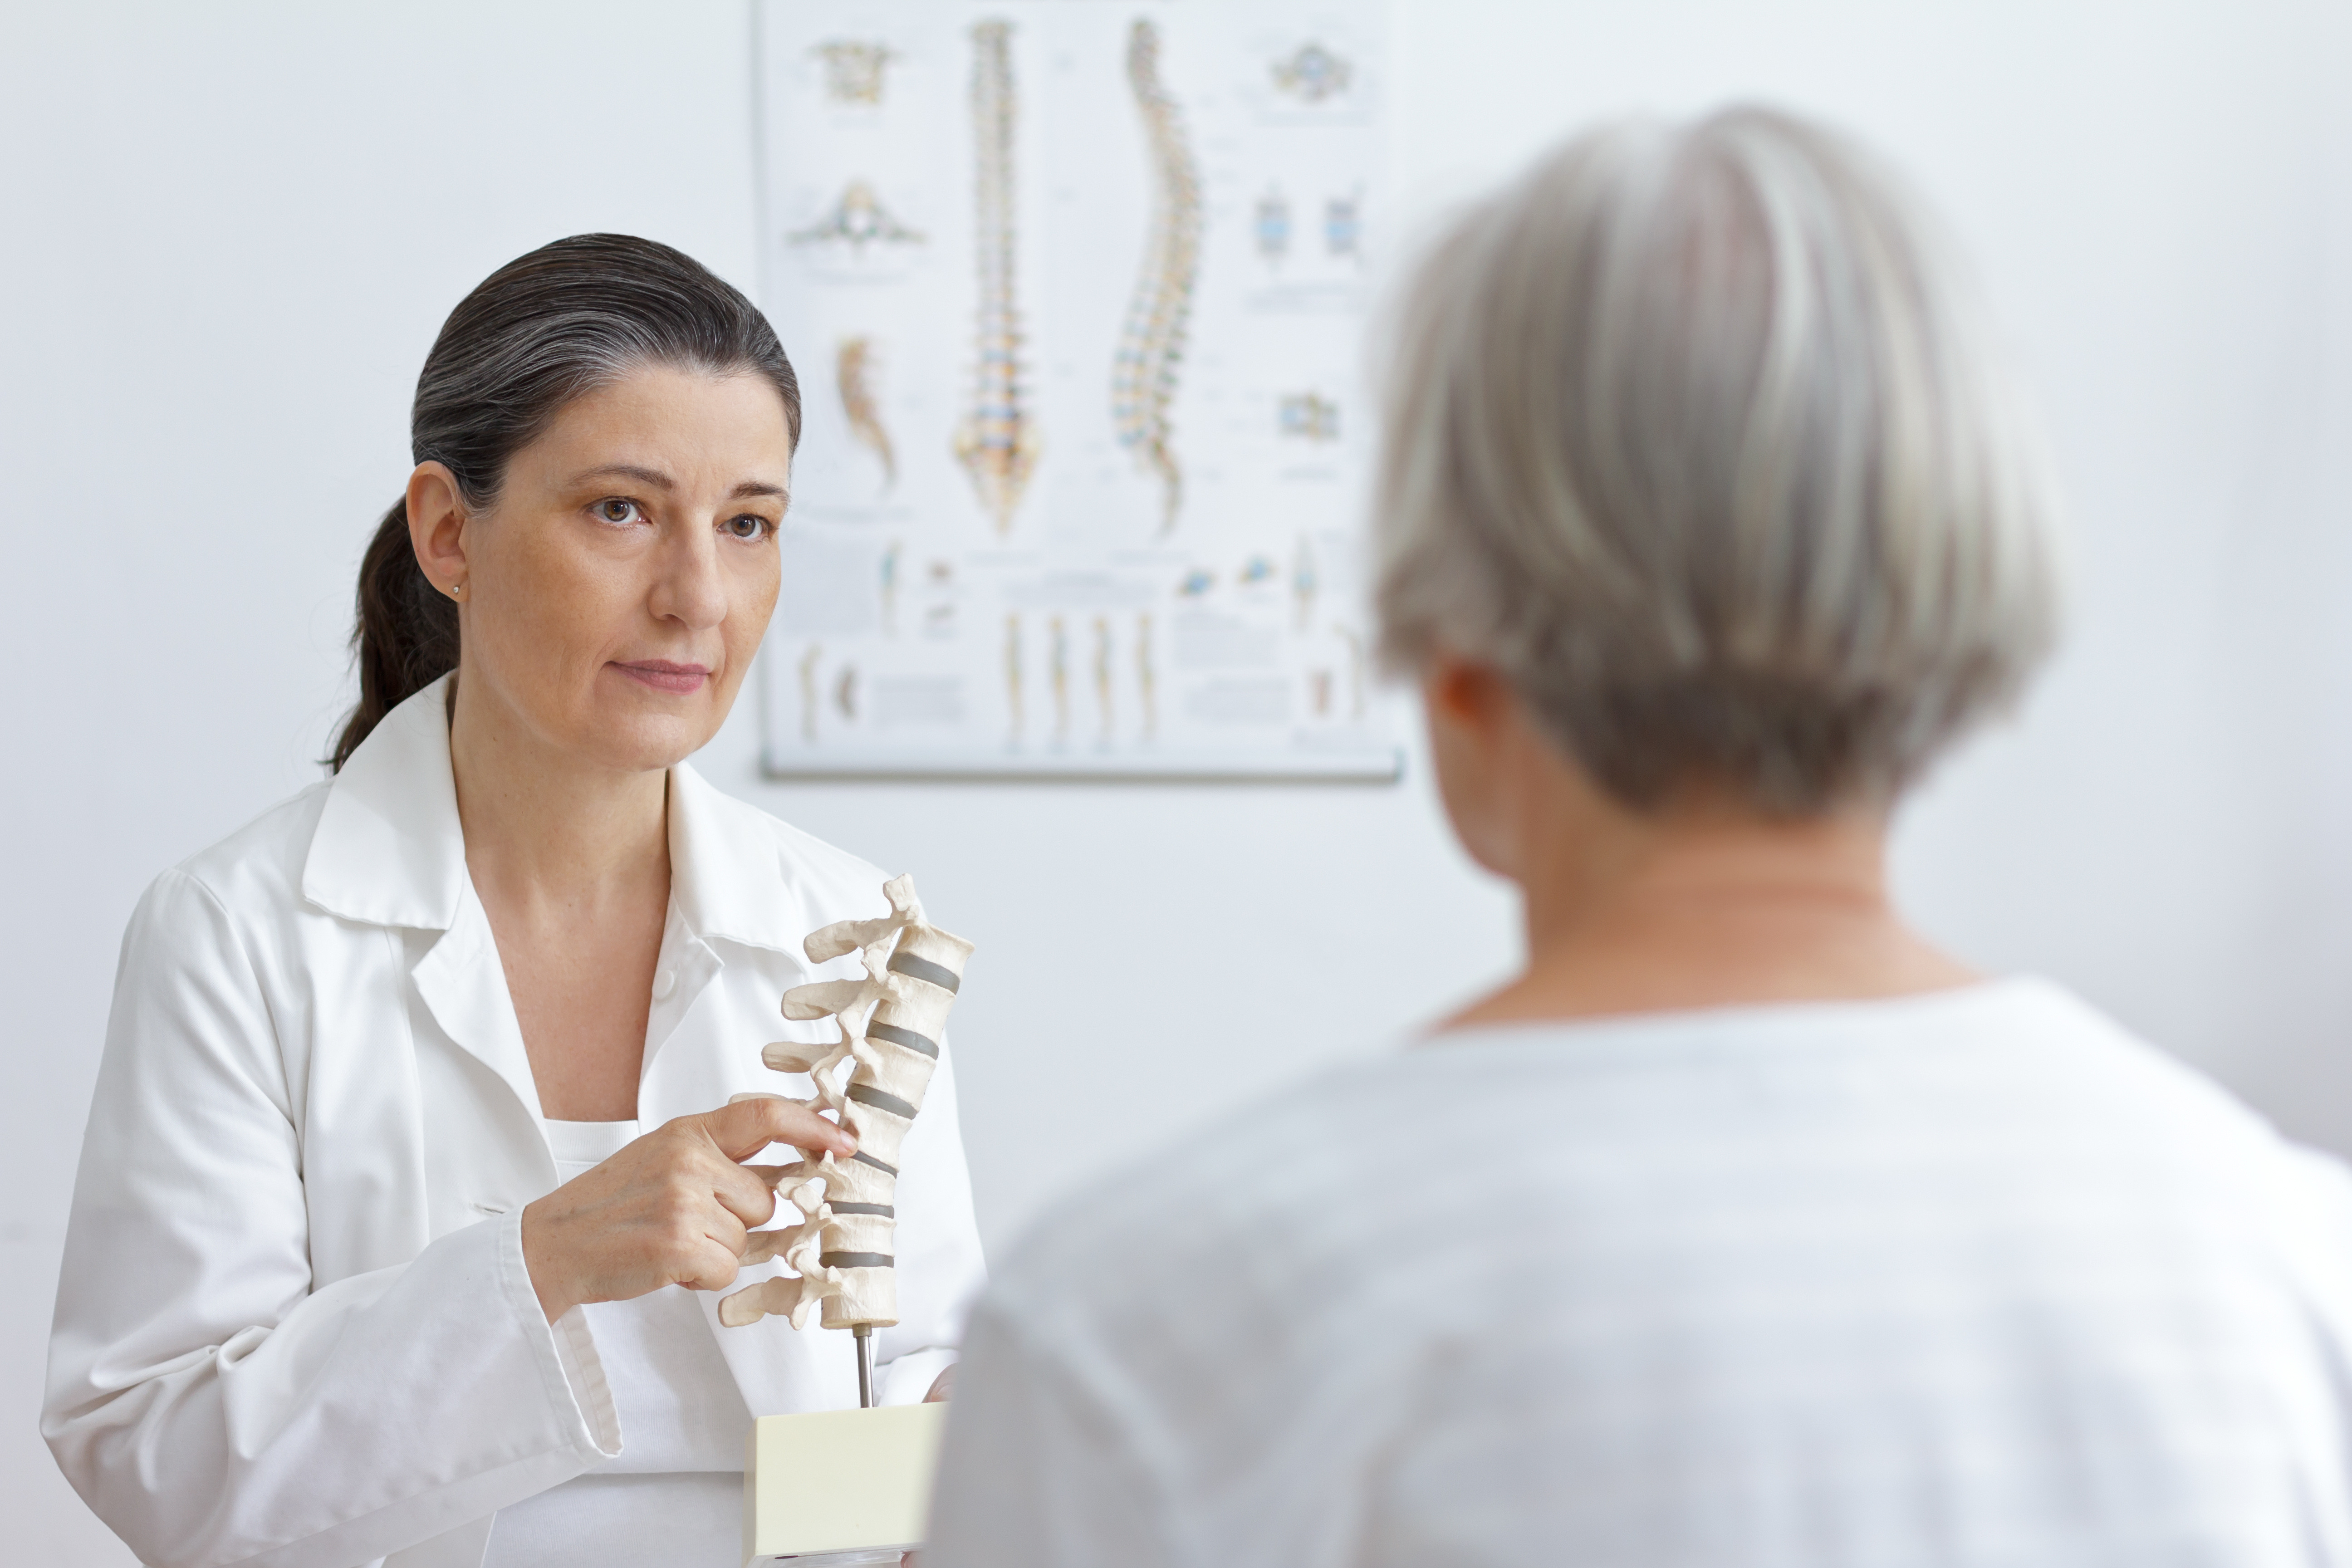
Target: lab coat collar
x,y
389,849
726,868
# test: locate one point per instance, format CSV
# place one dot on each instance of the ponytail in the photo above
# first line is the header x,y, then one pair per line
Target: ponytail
x,y
539,331
406,635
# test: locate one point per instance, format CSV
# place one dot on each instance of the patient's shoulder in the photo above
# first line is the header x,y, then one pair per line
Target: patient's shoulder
x,y
1534,1155
1292,1196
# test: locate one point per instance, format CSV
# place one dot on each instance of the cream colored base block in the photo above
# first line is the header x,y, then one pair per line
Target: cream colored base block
x,y
834,1485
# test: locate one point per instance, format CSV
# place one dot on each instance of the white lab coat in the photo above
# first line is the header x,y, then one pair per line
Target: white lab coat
x,y
294,1327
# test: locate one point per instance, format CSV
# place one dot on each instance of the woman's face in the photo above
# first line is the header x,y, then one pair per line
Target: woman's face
x,y
613,598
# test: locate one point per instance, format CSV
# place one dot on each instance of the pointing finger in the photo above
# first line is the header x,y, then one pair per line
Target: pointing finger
x,y
749,1125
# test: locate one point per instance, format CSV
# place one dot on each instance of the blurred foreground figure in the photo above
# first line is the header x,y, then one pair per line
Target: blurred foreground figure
x,y
1743,1228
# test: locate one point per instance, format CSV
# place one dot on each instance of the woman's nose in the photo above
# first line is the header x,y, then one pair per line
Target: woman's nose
x,y
690,588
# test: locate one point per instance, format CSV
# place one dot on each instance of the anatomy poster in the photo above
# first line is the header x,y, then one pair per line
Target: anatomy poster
x,y
1078,296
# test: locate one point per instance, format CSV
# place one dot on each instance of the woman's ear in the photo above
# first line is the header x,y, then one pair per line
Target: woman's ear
x,y
436,527
1468,706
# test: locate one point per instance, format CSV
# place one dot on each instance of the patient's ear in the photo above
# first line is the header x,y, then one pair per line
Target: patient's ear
x,y
1472,716
436,527
1467,692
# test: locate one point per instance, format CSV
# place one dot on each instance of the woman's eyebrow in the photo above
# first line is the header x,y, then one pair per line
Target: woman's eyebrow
x,y
659,481
653,476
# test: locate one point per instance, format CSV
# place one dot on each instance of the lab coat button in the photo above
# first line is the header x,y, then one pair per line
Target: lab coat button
x,y
663,984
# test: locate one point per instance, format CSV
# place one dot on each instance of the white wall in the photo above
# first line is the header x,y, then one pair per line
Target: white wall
x,y
231,231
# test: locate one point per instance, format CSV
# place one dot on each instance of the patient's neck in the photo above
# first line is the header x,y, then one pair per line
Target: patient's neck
x,y
1707,905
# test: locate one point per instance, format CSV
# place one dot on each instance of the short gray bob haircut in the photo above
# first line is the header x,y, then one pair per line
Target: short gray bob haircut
x,y
1690,436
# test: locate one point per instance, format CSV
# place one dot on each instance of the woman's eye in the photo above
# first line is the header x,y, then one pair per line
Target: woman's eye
x,y
615,510
750,525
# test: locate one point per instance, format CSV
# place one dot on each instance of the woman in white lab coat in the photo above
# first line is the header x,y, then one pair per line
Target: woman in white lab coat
x,y
413,1117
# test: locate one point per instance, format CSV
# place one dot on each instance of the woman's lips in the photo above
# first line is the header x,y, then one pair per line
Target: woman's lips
x,y
662,675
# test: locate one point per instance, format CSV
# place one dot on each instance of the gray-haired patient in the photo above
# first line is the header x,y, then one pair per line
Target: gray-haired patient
x,y
1743,1226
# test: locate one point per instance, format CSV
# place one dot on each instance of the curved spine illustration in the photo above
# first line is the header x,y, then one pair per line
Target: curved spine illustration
x,y
889,1023
997,443
1151,343
853,377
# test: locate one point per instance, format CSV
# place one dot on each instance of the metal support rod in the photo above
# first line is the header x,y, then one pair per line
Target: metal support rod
x,y
863,1335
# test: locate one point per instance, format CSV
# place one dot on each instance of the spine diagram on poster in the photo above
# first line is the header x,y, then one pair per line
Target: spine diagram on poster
x,y
1151,343
1147,679
1014,709
998,442
1079,296
809,661
1104,683
1057,670
854,374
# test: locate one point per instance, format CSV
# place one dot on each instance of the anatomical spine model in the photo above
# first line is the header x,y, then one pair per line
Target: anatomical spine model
x,y
889,1024
1159,315
997,443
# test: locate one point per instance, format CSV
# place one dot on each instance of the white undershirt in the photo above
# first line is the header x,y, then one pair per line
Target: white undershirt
x,y
674,1495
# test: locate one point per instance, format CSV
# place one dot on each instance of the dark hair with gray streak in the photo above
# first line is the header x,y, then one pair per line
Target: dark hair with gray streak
x,y
539,331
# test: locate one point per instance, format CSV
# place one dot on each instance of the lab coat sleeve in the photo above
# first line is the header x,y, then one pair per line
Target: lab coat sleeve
x,y
940,1267
206,1401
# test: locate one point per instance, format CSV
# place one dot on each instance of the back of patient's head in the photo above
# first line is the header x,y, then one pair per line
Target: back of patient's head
x,y
1693,437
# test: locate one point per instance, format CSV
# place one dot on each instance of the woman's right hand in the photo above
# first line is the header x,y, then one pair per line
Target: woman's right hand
x,y
673,1208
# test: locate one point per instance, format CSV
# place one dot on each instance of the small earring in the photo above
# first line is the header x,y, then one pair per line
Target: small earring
x,y
457,590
